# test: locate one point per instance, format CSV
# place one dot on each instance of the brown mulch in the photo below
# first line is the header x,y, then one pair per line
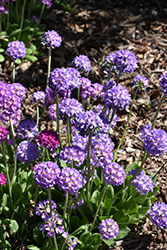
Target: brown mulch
x,y
96,28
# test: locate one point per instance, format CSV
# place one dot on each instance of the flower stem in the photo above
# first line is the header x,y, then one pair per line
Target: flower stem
x,y
65,207
112,116
13,72
50,201
115,154
159,169
14,152
99,244
49,64
156,114
68,131
22,18
42,10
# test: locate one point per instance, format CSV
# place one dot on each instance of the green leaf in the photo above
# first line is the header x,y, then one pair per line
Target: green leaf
x,y
94,197
31,58
1,50
4,200
38,53
85,236
13,226
155,190
144,209
16,193
97,181
130,206
121,218
18,61
32,247
74,222
133,166
152,199
32,47
28,51
108,196
37,234
80,229
14,32
123,232
110,242
2,58
63,164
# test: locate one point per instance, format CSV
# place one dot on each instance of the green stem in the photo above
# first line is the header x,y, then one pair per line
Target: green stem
x,y
156,114
65,208
78,93
13,72
29,9
49,64
68,131
40,16
55,243
112,116
7,25
99,244
159,170
22,19
126,126
50,201
14,151
37,122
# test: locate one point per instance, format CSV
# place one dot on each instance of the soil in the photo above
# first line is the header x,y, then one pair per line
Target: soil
x,y
96,28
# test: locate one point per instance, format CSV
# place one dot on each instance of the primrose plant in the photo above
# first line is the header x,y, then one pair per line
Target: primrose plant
x,y
63,188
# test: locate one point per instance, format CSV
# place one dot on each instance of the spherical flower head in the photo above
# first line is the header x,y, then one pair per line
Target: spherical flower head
x,y
52,110
70,180
51,39
82,63
145,130
27,129
108,63
2,179
125,61
158,214
114,174
48,139
5,117
89,123
163,83
73,78
155,142
142,183
47,174
108,229
59,79
96,90
52,225
141,82
3,134
38,97
85,84
109,85
16,50
18,90
73,154
117,97
27,151
12,103
43,208
80,141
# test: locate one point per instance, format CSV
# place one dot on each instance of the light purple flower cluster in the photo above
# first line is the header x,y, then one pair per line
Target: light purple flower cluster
x,y
3,134
82,63
101,150
78,204
71,243
117,97
109,85
52,225
89,123
51,39
47,2
80,141
15,117
108,229
74,78
85,84
27,129
73,154
18,90
163,83
2,179
52,111
141,82
108,63
50,96
43,208
38,97
125,61
114,174
142,183
158,214
96,90
70,180
16,50
47,174
27,151
154,141
4,6
48,139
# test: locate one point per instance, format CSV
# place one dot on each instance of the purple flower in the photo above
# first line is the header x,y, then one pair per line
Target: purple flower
x,y
52,225
48,139
53,112
47,174
109,85
4,6
3,134
163,83
108,63
27,151
74,78
47,2
70,180
154,141
96,90
51,39
2,179
125,61
117,97
80,141
27,129
89,123
15,117
114,174
158,214
145,130
73,154
59,79
43,208
71,243
50,96
85,84
142,183
141,82
38,97
36,19
16,49
18,90
78,204
82,62
108,229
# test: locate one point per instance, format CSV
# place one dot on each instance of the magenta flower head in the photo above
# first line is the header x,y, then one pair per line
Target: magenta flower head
x,y
2,179
154,141
142,183
140,82
70,180
108,229
125,61
47,174
114,174
163,83
47,2
51,39
18,90
117,97
48,139
82,63
16,50
158,214
27,151
3,134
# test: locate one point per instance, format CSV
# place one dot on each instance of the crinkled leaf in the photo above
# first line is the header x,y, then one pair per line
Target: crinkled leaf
x,y
2,58
13,226
31,58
